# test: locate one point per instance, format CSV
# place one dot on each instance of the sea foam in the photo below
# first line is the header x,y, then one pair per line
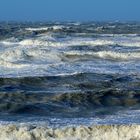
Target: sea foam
x,y
101,132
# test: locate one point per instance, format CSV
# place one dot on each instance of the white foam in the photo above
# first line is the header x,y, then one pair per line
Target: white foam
x,y
56,27
95,132
37,29
30,42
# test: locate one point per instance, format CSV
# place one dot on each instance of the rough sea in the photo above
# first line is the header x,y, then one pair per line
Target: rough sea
x,y
70,73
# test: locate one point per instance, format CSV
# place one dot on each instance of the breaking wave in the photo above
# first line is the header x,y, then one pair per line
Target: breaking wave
x,y
48,40
52,55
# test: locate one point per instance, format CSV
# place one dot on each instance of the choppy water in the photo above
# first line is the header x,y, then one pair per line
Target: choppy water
x,y
70,73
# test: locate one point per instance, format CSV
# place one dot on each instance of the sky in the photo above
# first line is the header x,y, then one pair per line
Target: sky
x,y
69,10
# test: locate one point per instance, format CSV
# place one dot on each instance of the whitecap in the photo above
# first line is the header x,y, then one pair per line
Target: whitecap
x,y
55,27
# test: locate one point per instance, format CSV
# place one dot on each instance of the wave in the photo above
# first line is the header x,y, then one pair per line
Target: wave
x,y
104,40
12,65
126,42
18,58
112,55
35,61
66,96
67,104
60,61
31,42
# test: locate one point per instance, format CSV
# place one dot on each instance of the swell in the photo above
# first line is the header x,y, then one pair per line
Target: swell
x,y
69,95
68,104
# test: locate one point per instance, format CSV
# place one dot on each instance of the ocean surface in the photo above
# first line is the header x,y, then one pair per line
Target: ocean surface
x,y
70,73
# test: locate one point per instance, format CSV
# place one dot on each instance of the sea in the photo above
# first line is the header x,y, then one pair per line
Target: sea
x,y
69,73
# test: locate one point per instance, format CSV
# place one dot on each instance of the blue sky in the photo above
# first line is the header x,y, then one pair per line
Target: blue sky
x,y
69,10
